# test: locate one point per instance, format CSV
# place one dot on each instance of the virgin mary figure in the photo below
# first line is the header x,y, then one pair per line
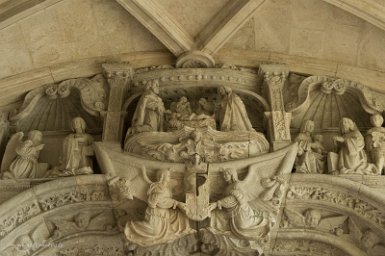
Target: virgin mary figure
x,y
232,114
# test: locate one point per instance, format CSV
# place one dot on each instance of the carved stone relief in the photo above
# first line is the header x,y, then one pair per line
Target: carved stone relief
x,y
197,160
51,107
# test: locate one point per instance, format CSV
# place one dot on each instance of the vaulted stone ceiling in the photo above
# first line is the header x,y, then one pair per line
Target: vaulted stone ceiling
x,y
61,39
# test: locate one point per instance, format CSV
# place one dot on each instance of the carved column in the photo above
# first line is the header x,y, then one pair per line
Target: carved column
x,y
278,119
119,76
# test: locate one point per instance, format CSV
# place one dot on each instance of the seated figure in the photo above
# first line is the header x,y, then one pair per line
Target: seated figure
x,y
310,158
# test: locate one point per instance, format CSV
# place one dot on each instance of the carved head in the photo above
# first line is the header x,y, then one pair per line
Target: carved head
x,y
35,136
196,135
312,218
82,220
163,175
369,239
153,85
78,125
307,127
196,159
376,120
347,125
318,138
230,175
183,99
203,101
224,90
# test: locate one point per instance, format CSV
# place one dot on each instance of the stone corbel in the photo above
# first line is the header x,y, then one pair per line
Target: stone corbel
x,y
119,77
278,120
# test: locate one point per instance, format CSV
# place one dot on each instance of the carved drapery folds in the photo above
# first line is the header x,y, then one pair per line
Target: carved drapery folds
x,y
245,213
196,160
339,141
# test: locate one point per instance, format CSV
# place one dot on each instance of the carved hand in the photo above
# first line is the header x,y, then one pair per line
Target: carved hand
x,y
181,206
338,139
213,206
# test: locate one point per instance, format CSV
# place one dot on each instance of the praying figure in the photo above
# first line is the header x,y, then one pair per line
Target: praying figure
x,y
231,112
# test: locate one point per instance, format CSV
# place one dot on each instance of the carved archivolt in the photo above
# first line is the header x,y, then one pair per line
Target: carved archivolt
x,y
56,216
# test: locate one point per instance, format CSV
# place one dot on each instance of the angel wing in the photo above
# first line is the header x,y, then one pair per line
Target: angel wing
x,y
63,227
10,150
295,218
331,223
354,230
265,177
116,163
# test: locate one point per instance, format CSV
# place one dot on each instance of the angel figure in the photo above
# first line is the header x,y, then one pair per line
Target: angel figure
x,y
24,156
312,219
234,215
367,240
163,222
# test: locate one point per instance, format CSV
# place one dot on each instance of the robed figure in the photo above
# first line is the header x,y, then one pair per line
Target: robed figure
x,y
352,143
235,216
232,114
310,157
149,113
163,222
77,150
24,156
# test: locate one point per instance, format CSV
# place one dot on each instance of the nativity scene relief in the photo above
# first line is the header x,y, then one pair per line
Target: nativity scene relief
x,y
218,128
198,161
